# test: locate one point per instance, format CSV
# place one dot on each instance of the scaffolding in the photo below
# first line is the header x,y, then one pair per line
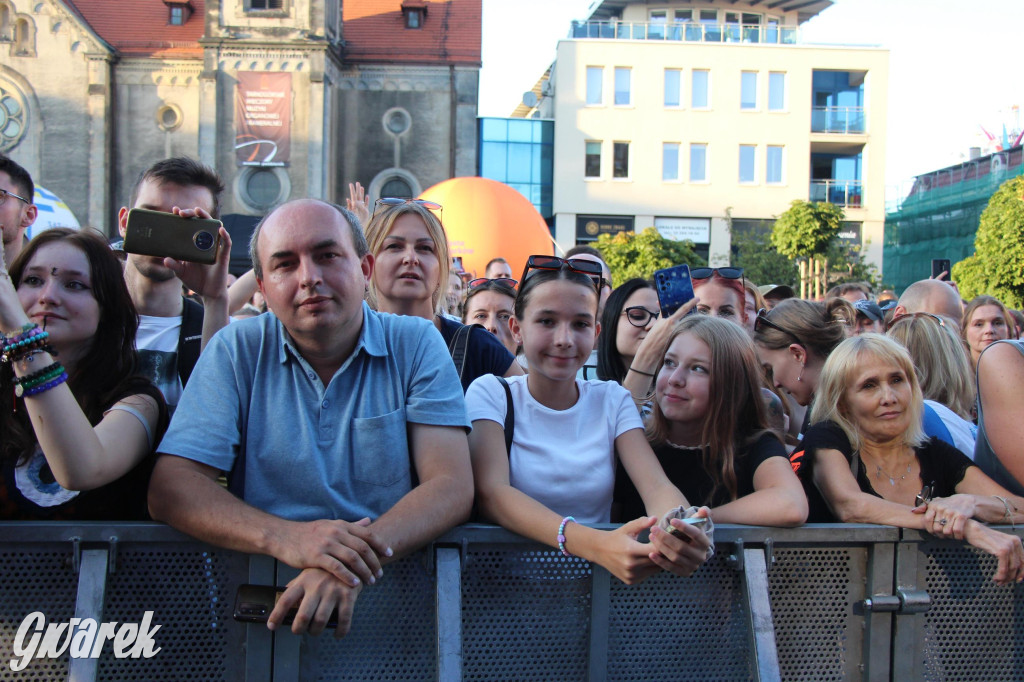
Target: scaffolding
x,y
940,215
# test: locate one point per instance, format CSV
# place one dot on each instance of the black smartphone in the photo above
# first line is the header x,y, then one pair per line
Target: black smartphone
x,y
253,604
942,265
674,288
155,233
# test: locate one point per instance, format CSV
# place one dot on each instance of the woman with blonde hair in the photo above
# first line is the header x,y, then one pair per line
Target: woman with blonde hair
x,y
944,373
873,464
709,427
410,277
985,321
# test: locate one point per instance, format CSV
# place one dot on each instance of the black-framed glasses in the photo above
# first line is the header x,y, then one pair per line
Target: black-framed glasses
x,y
480,281
640,316
390,202
914,316
4,194
585,267
725,273
762,321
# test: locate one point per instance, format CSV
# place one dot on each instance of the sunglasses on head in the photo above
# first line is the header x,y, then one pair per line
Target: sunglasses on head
x,y
480,281
640,316
395,201
585,267
762,321
914,316
725,273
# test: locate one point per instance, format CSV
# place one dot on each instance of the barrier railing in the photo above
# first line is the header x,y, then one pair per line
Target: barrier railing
x,y
819,602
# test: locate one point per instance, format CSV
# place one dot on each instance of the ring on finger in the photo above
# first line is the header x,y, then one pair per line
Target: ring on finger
x,y
942,522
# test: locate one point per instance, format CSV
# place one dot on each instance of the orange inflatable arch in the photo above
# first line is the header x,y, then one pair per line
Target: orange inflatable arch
x,y
485,219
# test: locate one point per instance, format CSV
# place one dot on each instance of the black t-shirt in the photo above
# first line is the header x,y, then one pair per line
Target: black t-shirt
x,y
685,469
29,491
484,354
942,466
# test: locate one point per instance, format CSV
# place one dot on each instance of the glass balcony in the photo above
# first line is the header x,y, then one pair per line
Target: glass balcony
x,y
845,193
704,32
837,120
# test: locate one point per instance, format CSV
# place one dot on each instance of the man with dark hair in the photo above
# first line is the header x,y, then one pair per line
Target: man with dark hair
x,y
17,212
851,291
498,267
172,329
344,429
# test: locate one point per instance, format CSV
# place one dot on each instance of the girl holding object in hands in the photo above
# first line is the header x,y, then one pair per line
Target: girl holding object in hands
x,y
78,428
559,471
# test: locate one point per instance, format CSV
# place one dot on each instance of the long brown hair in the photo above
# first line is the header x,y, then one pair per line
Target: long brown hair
x,y
103,371
736,409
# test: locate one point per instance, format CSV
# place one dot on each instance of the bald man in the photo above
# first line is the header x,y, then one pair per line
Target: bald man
x,y
930,296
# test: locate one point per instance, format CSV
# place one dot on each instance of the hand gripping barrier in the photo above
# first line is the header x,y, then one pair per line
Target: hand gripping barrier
x,y
823,602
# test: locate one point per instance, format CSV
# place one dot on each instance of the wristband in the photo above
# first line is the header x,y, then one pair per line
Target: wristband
x,y
646,374
561,535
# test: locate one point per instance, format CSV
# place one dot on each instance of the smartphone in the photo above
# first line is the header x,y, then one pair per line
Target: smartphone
x,y
155,233
674,288
253,604
941,265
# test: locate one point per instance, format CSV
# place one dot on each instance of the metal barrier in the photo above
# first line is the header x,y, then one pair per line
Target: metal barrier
x,y
821,602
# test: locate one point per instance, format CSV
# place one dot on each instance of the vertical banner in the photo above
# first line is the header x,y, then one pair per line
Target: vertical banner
x,y
263,118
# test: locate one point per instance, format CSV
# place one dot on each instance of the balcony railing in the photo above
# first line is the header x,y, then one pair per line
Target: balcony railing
x,y
697,32
846,193
837,120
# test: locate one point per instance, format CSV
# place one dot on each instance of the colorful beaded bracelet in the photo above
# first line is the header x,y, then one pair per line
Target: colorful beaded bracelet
x,y
25,328
28,378
47,386
23,385
36,337
561,535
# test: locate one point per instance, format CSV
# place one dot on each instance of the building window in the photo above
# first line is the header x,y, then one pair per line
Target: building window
x,y
13,117
414,18
177,15
700,95
670,161
673,78
747,159
256,5
592,167
263,188
773,165
620,160
595,77
748,90
776,91
622,96
396,187
698,162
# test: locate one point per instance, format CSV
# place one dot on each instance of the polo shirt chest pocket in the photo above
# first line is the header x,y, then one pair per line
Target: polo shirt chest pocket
x,y
381,449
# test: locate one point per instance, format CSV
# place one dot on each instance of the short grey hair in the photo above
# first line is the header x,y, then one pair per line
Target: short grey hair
x,y
358,238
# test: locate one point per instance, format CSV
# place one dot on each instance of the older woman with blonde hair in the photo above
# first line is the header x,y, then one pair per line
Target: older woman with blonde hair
x,y
410,277
944,374
872,463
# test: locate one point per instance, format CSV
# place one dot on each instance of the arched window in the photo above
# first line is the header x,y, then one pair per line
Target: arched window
x,y
396,187
24,38
6,28
12,118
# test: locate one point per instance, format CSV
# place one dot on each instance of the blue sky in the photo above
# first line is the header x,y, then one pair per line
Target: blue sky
x,y
953,66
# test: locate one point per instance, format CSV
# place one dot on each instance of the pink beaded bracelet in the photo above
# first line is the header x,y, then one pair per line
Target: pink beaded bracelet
x,y
561,535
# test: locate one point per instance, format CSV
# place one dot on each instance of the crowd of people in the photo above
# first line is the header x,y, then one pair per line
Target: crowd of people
x,y
387,397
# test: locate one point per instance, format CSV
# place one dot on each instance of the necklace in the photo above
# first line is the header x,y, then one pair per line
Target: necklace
x,y
686,447
892,477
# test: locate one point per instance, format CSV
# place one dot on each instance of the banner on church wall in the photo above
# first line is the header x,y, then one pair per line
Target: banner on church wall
x,y
263,118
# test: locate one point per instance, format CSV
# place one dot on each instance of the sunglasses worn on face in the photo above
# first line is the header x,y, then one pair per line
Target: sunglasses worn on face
x,y
725,273
640,316
762,321
4,194
913,316
585,267
480,281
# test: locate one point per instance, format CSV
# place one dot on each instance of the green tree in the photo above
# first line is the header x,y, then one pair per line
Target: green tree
x,y
806,230
997,266
761,262
638,255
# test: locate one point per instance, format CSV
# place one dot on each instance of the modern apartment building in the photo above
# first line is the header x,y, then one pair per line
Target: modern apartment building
x,y
698,117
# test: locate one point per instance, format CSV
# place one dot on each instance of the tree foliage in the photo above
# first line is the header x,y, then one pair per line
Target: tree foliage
x,y
761,262
806,229
997,266
638,255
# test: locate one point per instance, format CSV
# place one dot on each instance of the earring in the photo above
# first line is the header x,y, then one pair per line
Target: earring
x,y
800,377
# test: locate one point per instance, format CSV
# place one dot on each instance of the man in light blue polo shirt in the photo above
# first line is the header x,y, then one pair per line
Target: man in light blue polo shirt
x,y
325,412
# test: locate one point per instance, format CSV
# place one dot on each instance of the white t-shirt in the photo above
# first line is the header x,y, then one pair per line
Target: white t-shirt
x,y
157,343
564,459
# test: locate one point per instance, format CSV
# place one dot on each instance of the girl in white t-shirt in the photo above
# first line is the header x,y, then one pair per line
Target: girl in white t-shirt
x,y
560,473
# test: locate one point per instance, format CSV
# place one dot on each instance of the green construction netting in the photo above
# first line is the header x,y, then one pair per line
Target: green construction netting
x,y
940,217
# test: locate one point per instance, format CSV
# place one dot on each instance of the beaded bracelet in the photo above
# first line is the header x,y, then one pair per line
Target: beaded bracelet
x,y
47,386
35,375
27,327
561,535
27,383
19,349
22,339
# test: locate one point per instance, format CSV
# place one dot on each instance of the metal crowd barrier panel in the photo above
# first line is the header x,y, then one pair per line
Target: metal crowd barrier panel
x,y
842,602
